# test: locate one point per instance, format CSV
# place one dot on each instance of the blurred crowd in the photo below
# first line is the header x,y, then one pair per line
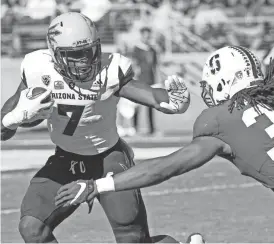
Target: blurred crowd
x,y
143,29
196,25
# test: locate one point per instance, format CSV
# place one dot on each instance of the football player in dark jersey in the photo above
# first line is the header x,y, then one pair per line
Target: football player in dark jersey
x,y
238,125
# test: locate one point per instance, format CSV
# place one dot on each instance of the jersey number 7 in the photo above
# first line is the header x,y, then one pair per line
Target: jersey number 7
x,y
249,116
76,113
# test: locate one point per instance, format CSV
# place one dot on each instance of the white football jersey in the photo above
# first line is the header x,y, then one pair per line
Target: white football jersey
x,y
75,103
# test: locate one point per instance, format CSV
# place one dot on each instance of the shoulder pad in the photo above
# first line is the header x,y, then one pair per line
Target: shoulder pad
x,y
206,124
33,63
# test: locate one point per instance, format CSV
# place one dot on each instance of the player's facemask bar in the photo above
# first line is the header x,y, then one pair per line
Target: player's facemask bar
x,y
207,94
79,63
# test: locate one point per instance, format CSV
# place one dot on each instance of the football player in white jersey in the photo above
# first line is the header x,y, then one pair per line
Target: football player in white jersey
x,y
84,86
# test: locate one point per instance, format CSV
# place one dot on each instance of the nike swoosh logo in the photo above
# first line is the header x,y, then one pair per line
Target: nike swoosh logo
x,y
82,188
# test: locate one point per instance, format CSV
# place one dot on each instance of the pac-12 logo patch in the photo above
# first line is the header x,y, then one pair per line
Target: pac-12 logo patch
x,y
58,85
71,85
46,79
239,75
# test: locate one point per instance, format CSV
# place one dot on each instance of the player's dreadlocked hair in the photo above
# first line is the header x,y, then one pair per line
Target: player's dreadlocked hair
x,y
262,94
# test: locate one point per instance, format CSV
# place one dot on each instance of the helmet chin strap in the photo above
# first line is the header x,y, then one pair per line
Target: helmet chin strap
x,y
227,96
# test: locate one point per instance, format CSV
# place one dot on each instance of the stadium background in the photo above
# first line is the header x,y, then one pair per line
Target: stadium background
x,y
214,200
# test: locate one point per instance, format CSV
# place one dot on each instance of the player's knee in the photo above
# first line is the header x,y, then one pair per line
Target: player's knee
x,y
132,228
133,214
131,234
126,218
34,230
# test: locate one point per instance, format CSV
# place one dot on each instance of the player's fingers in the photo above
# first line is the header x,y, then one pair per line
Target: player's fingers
x,y
47,105
167,108
46,116
64,201
47,112
65,188
45,94
25,91
62,195
50,110
173,82
180,83
43,116
168,84
90,205
91,196
175,78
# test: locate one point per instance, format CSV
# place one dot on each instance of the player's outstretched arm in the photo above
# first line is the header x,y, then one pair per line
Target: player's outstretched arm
x,y
155,171
149,172
174,99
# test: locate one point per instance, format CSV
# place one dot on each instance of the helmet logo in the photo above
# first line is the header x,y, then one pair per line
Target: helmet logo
x,y
214,64
82,42
239,75
52,33
71,85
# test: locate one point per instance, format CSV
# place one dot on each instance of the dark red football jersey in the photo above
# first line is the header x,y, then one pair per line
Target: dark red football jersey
x,y
249,134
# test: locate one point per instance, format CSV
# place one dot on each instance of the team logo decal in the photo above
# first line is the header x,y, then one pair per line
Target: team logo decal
x,y
71,85
82,42
58,85
214,64
52,33
239,75
46,79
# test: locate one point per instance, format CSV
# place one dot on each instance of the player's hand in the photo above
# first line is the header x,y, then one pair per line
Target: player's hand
x,y
29,110
179,96
76,192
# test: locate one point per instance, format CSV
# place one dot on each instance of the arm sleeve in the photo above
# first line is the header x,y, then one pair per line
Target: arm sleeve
x,y
125,72
11,103
206,124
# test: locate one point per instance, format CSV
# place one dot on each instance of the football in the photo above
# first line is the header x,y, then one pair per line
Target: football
x,y
33,93
36,92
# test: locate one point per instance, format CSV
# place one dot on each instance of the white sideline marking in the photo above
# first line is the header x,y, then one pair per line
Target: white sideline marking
x,y
10,211
201,189
172,191
37,158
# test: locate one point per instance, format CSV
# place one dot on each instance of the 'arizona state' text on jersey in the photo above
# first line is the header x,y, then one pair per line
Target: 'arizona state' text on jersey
x,y
74,103
249,134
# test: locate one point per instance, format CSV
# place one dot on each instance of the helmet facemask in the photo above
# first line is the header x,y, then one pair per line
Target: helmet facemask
x,y
207,94
79,63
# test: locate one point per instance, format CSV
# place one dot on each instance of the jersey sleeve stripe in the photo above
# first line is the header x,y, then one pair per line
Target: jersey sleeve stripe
x,y
23,78
125,78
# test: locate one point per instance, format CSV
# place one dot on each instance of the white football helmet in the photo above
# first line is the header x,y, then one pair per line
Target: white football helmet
x,y
75,46
228,71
